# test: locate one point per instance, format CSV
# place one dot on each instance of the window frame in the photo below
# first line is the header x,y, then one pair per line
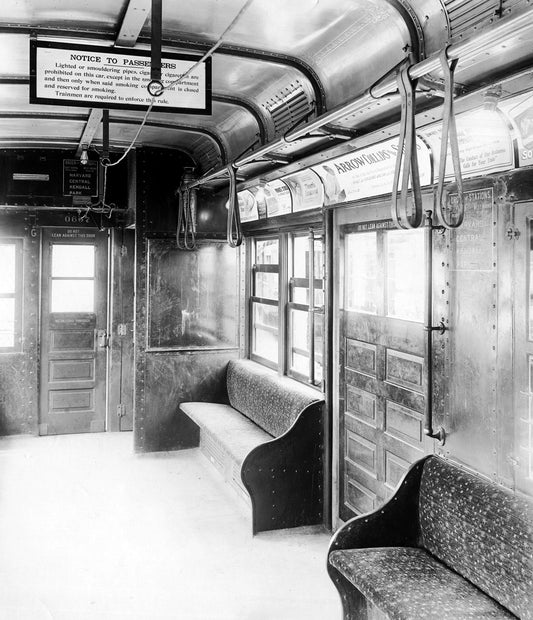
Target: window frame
x,y
17,294
285,303
54,278
254,299
311,284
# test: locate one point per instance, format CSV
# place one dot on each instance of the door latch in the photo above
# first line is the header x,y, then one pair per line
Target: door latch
x,y
102,338
512,232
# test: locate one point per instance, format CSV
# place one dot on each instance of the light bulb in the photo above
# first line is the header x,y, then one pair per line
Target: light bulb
x,y
84,157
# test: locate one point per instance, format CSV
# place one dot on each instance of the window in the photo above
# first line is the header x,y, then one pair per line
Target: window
x,y
72,278
305,307
405,276
395,290
362,272
265,301
287,304
10,294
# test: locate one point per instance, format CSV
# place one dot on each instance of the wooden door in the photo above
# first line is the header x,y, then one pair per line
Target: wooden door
x,y
523,346
382,373
73,331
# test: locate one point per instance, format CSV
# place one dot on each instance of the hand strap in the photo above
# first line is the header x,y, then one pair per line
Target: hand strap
x,y
406,158
449,135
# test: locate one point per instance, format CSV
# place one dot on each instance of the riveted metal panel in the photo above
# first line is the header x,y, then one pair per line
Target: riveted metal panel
x,y
19,371
164,378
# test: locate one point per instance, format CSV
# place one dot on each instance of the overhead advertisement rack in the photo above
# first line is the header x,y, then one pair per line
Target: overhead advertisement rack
x,y
104,77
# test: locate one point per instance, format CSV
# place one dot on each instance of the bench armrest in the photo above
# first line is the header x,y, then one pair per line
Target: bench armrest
x,y
284,476
395,524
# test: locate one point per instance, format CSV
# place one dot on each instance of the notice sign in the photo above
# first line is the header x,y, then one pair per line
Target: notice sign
x,y
103,77
79,179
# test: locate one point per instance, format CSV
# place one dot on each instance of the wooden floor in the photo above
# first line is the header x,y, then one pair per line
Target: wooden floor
x,y
89,530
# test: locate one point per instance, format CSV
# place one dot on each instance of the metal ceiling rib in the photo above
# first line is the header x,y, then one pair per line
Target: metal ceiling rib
x,y
132,22
131,25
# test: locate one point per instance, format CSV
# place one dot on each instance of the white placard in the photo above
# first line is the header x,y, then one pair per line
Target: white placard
x,y
367,172
93,76
247,206
306,189
278,198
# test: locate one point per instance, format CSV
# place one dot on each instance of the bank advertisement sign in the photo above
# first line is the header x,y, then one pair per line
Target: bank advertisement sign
x,y
103,77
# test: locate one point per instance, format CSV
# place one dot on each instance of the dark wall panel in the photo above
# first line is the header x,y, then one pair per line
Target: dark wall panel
x,y
186,311
19,370
121,376
172,378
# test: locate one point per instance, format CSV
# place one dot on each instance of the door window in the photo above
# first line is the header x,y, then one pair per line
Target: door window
x,y
405,275
72,285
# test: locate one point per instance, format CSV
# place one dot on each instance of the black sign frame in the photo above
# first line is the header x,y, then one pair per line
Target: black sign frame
x,y
35,45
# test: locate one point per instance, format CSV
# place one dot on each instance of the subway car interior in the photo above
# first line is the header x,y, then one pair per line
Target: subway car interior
x,y
266,309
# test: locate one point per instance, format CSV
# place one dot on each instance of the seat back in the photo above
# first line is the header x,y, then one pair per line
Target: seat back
x,y
481,531
272,402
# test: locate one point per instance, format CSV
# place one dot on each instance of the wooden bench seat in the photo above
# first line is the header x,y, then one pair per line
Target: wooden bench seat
x,y
234,432
447,546
268,443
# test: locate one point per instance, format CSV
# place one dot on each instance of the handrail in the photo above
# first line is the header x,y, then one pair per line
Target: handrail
x,y
429,328
464,50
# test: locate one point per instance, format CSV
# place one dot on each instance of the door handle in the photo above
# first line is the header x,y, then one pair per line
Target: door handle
x,y
102,338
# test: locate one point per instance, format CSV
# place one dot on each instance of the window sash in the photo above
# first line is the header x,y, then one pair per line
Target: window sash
x,y
15,334
291,294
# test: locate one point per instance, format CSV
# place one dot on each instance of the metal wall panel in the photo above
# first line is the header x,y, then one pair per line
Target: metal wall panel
x,y
19,371
167,375
121,375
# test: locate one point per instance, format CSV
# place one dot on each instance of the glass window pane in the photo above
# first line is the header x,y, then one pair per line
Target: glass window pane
x,y
319,258
266,285
361,268
299,326
265,331
405,274
299,353
7,272
267,252
72,296
7,322
530,280
72,261
319,345
300,254
300,364
300,295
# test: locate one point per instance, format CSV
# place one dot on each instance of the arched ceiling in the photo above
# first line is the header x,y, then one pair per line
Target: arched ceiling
x,y
282,65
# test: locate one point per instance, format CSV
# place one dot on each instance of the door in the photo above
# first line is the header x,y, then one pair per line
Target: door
x,y
73,331
381,344
523,347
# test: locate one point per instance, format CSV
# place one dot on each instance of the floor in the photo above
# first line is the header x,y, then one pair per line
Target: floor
x,y
91,531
